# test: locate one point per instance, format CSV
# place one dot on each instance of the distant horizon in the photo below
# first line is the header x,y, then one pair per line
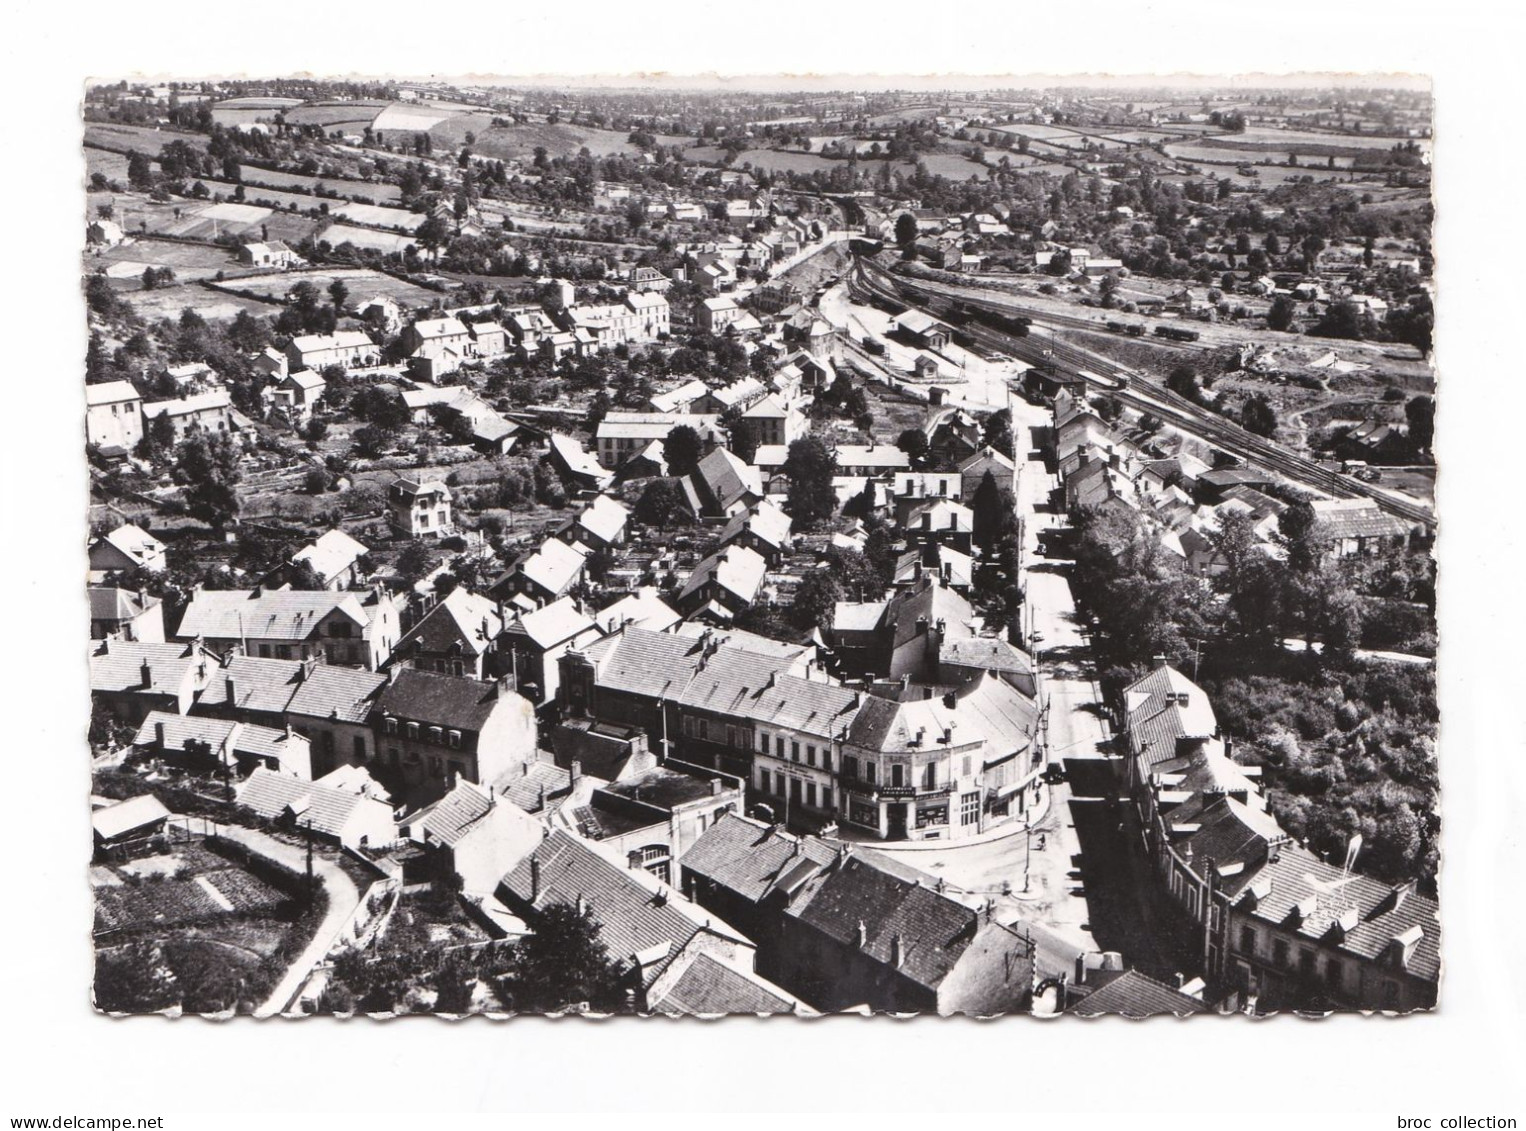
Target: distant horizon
x,y
784,83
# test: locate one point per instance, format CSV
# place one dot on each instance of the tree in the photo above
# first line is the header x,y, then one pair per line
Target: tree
x,y
816,599
1280,317
1183,382
140,171
913,441
809,467
661,505
997,433
303,576
1257,415
207,464
338,294
1341,320
905,230
1296,532
373,441
413,563
563,962
682,450
1421,414
992,508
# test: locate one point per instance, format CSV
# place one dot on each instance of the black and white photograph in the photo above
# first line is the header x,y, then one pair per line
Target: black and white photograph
x,y
629,548
881,560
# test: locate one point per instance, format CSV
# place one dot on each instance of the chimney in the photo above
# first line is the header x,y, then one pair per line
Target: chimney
x,y
159,734
582,905
861,936
146,674
896,955
715,787
1160,659
916,574
1080,969
534,879
576,770
231,691
921,626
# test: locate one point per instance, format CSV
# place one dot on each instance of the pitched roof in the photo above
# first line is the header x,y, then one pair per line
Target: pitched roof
x,y
641,609
1132,994
638,914
270,794
604,518
133,541
258,684
532,781
554,565
766,522
110,392
679,398
117,665
986,652
201,402
987,710
725,478
281,614
331,553
112,821
463,619
119,604
736,569
559,621
455,814
708,988
441,700
343,339
339,693
867,890
749,857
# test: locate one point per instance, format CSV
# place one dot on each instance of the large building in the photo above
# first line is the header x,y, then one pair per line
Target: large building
x,y
113,416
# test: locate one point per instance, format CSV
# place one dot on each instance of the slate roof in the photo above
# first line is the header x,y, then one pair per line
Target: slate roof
x,y
1132,994
116,665
986,652
133,541
526,784
554,565
330,554
1343,518
440,700
640,662
557,622
457,813
934,930
749,857
184,406
283,614
986,709
643,608
119,604
725,478
707,988
736,569
110,392
270,794
458,620
258,684
766,522
637,913
181,729
339,693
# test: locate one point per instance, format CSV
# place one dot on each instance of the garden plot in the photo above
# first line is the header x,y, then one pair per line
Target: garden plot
x,y
168,302
359,282
378,216
368,238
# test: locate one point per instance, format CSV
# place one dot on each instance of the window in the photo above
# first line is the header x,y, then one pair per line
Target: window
x,y
1247,940
826,758
869,772
436,767
763,741
391,725
826,797
360,748
966,772
1391,994
763,781
436,735
1335,973
850,767
413,730
455,739
1306,962
810,794
897,775
1279,952
810,755
794,750
930,776
969,808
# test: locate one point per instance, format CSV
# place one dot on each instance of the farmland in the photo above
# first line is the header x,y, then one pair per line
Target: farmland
x,y
190,262
168,302
516,142
770,160
361,284
369,238
378,191
376,216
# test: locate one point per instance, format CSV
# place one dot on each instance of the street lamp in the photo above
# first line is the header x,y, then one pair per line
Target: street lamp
x,y
1027,850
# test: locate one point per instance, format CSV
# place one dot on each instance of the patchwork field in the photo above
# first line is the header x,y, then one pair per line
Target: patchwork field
x,y
771,160
379,191
378,216
337,115
190,262
112,166
145,139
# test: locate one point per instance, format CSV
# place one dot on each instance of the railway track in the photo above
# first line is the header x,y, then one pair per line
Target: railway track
x,y
1047,349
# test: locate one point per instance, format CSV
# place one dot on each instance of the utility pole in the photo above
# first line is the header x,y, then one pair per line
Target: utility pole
x,y
308,827
1027,850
